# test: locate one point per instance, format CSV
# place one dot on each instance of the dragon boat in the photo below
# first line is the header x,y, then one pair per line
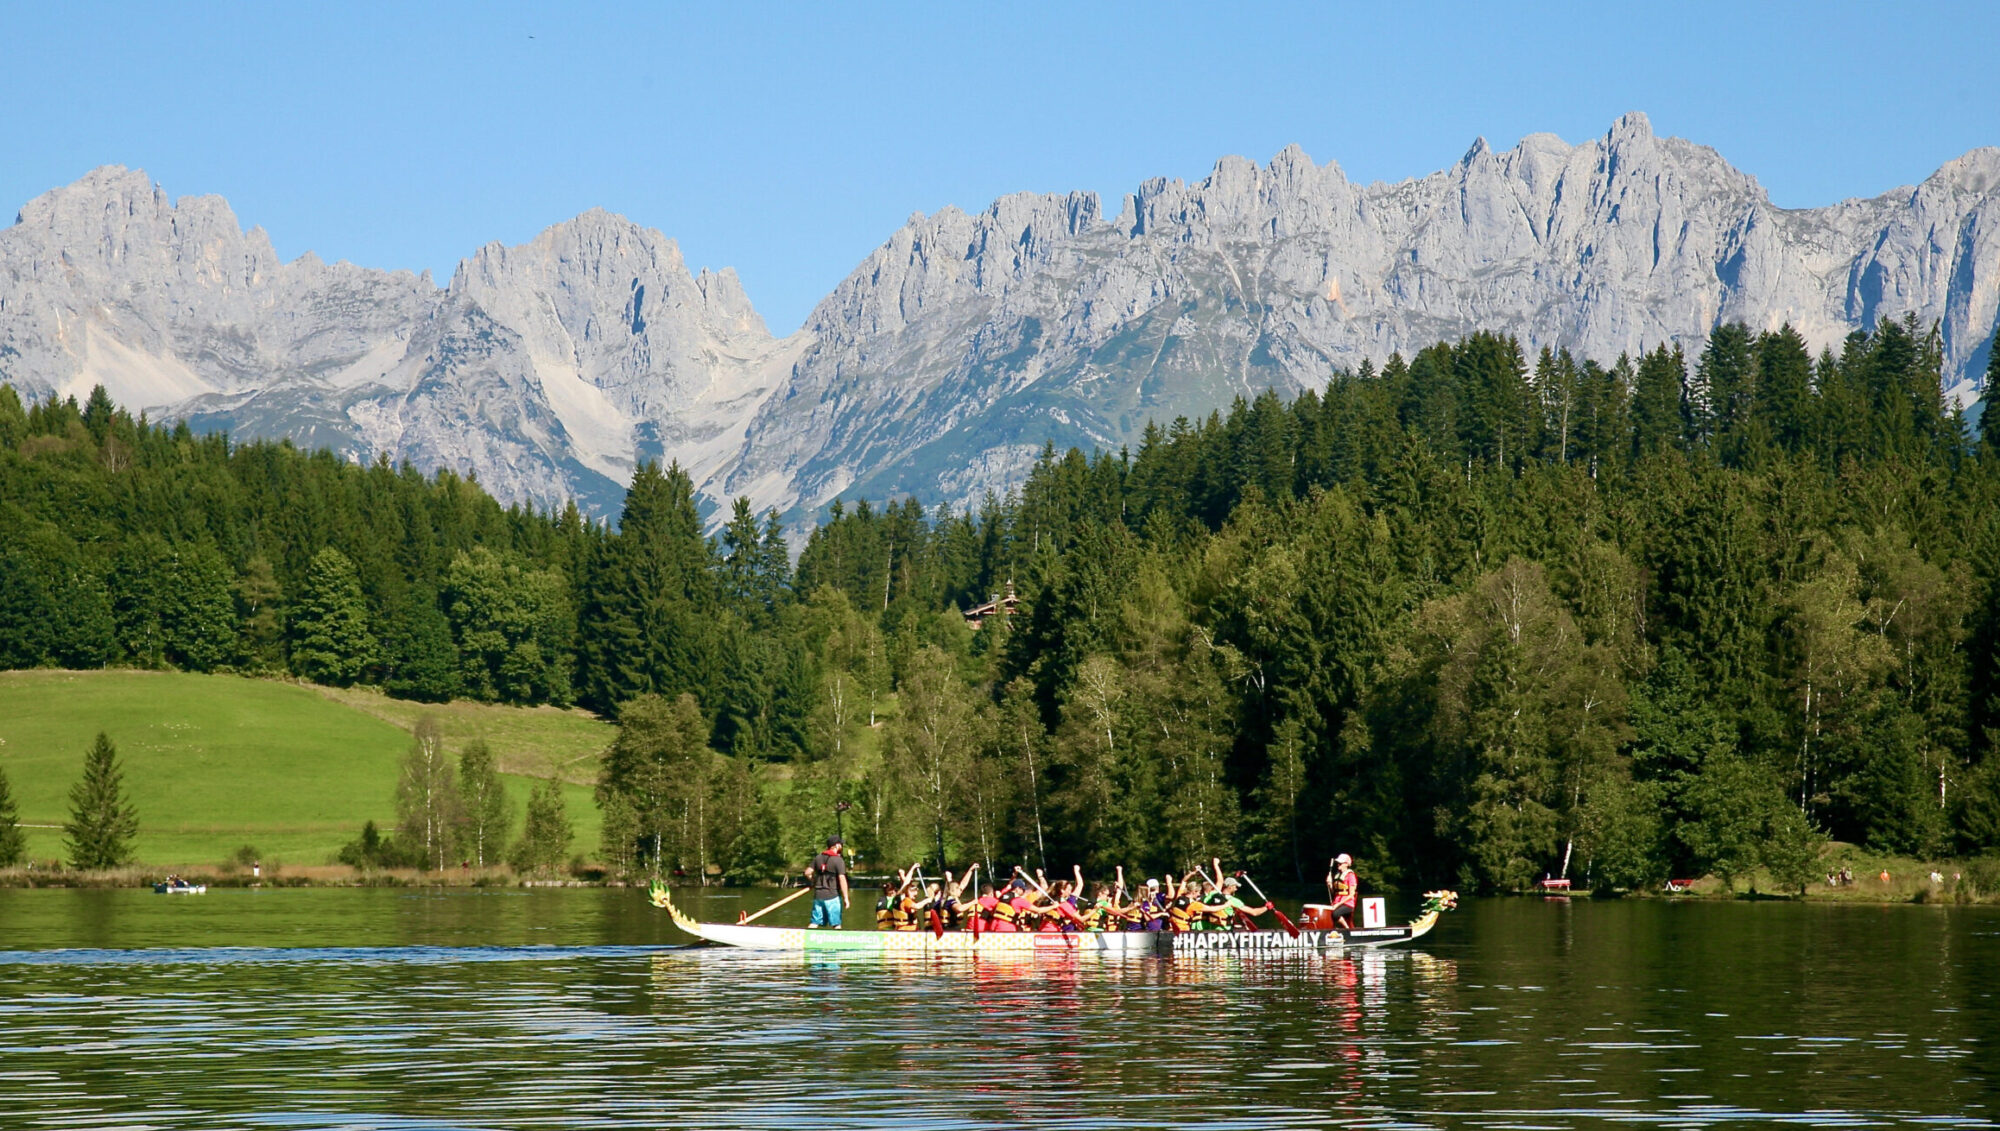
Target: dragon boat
x,y
1308,938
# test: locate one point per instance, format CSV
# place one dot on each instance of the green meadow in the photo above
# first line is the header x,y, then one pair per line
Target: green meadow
x,y
217,762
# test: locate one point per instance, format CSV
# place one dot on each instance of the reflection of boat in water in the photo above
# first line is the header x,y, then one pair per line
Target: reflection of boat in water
x,y
1116,943
177,887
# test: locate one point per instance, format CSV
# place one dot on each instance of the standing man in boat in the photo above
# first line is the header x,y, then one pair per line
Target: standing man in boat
x,y
1343,890
828,875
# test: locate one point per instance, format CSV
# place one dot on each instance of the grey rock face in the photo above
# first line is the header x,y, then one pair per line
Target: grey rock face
x,y
943,363
958,348
544,370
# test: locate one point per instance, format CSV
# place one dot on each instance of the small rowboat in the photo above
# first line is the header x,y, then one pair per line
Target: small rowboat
x,y
179,889
1113,943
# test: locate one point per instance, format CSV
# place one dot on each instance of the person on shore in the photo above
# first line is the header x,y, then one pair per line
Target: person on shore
x,y
828,876
1343,890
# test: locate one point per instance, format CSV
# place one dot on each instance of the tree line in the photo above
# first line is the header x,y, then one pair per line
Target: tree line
x,y
456,814
1470,616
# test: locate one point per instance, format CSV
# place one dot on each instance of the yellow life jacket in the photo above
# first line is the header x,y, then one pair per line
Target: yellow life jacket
x,y
1003,911
885,913
1179,916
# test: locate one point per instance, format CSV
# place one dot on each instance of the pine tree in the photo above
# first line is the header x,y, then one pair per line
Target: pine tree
x,y
1784,403
259,605
331,642
482,806
102,824
13,844
545,841
1989,421
198,620
1657,402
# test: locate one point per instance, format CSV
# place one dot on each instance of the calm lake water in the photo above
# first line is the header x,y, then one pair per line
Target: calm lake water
x,y
380,1008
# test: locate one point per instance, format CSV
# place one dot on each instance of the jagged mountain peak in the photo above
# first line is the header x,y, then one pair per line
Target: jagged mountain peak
x,y
969,337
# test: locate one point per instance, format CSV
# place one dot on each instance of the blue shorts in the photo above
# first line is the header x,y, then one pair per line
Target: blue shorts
x,y
826,912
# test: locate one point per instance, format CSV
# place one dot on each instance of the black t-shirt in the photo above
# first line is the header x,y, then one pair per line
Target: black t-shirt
x,y
826,872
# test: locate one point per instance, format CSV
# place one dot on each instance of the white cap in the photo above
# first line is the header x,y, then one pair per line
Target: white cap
x,y
1343,858
1152,883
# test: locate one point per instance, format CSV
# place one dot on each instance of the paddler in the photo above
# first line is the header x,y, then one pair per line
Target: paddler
x,y
1152,907
950,903
886,908
1343,890
995,910
1182,902
1238,912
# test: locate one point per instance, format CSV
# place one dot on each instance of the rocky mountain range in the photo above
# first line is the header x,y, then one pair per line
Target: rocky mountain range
x,y
946,360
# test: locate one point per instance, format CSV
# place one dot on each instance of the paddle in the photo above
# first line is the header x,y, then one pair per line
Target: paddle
x,y
1291,928
742,918
1060,905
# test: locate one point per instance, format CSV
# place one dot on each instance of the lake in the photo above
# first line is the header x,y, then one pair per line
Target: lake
x,y
434,1009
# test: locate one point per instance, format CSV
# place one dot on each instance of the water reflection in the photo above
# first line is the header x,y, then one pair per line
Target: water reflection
x,y
1518,1014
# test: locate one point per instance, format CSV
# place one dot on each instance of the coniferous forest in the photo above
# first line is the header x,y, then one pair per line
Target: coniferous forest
x,y
1475,617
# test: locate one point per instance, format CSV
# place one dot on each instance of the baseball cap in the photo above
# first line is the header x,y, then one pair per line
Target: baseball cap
x,y
1152,883
1343,858
832,840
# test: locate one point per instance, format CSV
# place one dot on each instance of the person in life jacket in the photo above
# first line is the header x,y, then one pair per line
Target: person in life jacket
x,y
888,907
995,910
960,898
1237,914
1181,904
1343,890
1211,908
895,911
1152,908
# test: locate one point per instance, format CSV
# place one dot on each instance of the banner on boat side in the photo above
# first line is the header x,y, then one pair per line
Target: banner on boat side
x,y
1210,942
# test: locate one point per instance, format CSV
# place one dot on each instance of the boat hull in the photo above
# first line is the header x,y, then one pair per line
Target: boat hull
x,y
1108,943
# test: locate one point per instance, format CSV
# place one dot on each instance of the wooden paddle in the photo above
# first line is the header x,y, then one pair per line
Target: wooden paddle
x,y
1291,928
742,918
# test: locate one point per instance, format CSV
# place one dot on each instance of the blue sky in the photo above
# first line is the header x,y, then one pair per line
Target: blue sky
x,y
789,140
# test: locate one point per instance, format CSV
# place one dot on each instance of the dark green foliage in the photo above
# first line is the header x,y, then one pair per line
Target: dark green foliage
x,y
53,607
373,850
544,845
330,638
512,628
1464,616
101,822
1989,424
13,843
419,659
648,624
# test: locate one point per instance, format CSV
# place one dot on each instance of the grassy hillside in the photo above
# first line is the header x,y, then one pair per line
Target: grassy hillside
x,y
217,762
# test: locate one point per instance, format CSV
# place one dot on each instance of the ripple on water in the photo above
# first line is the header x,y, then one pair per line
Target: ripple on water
x,y
1489,1030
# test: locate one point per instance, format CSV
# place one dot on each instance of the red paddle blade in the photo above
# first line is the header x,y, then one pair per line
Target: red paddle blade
x,y
937,924
1291,928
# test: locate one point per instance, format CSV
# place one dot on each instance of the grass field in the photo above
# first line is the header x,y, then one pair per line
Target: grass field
x,y
216,762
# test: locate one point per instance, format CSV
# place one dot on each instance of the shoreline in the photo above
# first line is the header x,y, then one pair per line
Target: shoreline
x,y
1956,890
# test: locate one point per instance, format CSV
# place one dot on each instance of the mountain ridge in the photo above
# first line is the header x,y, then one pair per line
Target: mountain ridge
x,y
965,341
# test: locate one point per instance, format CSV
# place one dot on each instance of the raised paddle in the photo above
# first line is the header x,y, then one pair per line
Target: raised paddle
x,y
1290,927
1060,905
742,918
